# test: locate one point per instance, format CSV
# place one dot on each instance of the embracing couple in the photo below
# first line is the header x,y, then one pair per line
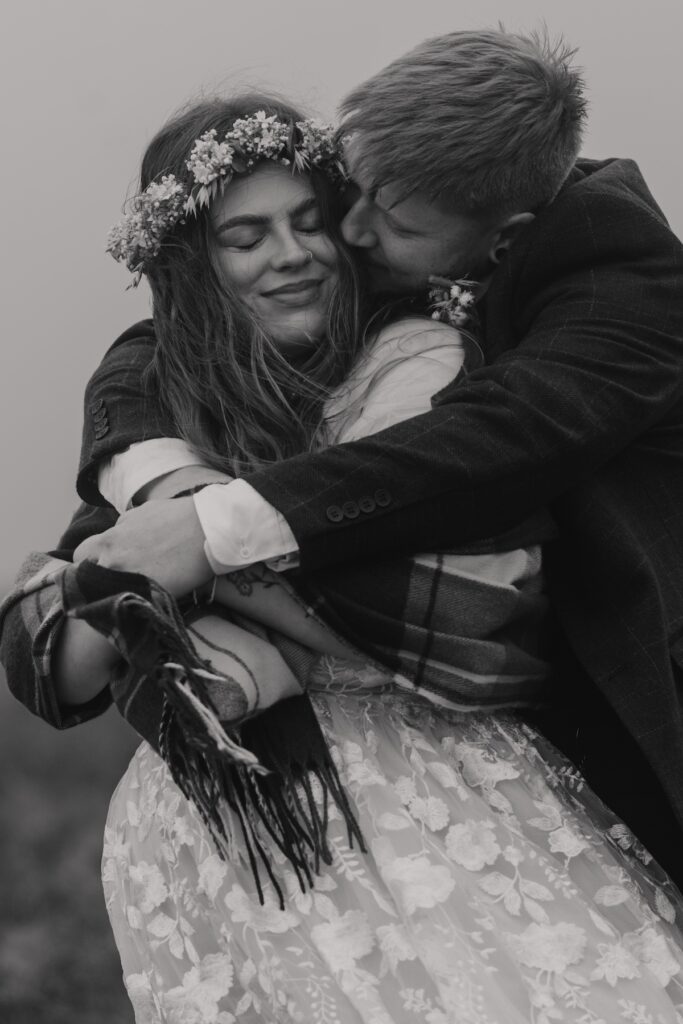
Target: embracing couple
x,y
422,432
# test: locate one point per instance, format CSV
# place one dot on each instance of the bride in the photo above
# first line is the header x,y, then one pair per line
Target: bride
x,y
463,872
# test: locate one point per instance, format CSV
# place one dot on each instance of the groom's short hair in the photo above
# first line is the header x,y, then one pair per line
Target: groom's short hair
x,y
478,121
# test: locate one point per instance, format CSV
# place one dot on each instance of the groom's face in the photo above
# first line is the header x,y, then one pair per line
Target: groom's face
x,y
401,242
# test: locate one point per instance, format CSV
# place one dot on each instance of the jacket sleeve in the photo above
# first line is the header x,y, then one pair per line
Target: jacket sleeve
x,y
30,619
122,406
596,298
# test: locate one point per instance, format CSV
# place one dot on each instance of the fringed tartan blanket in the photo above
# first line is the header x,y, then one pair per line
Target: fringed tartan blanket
x,y
461,629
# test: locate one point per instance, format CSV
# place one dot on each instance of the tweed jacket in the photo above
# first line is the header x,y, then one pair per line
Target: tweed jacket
x,y
580,408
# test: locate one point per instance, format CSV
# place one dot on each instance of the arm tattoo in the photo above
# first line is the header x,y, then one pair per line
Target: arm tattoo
x,y
244,580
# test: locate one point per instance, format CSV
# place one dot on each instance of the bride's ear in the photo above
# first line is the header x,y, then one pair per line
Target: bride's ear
x,y
506,234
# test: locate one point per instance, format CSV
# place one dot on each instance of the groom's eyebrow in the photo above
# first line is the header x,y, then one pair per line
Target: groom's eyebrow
x,y
259,220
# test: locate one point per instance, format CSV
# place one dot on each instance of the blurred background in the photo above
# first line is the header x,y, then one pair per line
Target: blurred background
x,y
84,85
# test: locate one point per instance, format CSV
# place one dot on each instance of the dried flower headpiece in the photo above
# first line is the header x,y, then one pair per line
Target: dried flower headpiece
x,y
137,237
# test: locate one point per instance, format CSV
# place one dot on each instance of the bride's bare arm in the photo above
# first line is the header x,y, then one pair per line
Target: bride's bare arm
x,y
83,662
264,596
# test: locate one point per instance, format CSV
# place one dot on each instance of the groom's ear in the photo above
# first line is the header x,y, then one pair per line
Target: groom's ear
x,y
506,233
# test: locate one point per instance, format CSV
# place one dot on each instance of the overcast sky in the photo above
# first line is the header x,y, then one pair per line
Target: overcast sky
x,y
84,85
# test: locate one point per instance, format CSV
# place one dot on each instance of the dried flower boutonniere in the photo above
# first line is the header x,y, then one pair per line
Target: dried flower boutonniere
x,y
453,302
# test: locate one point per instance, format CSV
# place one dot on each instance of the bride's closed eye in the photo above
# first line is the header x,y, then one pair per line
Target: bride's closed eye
x,y
245,238
240,239
309,223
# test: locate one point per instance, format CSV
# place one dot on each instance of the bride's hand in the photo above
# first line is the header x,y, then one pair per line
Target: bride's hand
x,y
161,539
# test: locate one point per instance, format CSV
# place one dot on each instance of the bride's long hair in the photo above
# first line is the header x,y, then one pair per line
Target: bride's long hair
x,y
234,396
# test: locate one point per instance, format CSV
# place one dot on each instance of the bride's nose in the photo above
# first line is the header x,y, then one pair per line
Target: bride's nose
x,y
290,252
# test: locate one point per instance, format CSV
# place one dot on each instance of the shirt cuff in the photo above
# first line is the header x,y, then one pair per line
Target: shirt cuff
x,y
124,474
241,528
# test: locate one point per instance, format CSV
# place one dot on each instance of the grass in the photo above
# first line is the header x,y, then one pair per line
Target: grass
x,y
58,962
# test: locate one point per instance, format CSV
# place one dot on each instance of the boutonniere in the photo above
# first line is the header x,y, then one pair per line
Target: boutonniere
x,y
453,302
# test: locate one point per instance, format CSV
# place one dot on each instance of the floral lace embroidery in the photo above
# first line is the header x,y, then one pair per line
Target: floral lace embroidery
x,y
489,896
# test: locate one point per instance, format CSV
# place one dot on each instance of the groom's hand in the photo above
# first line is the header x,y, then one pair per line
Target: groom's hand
x,y
161,539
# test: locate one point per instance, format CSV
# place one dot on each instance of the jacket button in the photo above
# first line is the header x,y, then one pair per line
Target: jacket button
x,y
101,430
101,414
350,509
97,405
334,514
367,504
382,497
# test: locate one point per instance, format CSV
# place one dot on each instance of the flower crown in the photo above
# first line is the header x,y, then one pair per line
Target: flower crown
x,y
137,237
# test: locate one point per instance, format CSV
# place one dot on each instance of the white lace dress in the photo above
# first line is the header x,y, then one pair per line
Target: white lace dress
x,y
496,889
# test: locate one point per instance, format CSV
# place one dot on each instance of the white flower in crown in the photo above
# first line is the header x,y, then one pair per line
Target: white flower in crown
x,y
260,137
209,162
138,235
209,159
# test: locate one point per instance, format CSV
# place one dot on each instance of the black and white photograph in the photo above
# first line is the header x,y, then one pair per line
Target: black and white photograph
x,y
341,588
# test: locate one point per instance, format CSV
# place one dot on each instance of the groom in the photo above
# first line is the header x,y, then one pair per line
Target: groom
x,y
464,157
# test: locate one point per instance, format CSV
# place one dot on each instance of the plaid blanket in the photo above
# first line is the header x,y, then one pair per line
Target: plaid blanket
x,y
465,630
462,629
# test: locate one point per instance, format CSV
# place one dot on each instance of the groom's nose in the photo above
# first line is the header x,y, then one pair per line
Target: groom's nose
x,y
357,226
